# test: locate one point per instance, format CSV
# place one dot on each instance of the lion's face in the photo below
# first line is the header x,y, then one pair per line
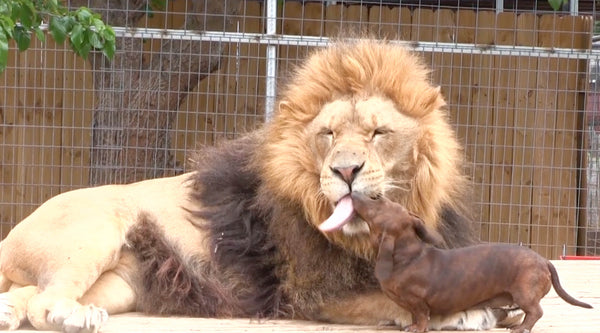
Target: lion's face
x,y
363,145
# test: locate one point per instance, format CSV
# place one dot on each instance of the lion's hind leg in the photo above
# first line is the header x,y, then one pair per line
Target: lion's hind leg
x,y
56,304
113,292
65,280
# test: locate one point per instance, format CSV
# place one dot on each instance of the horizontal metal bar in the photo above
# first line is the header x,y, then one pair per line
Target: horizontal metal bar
x,y
292,40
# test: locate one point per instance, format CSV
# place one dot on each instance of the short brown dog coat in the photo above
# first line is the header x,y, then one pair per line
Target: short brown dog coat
x,y
426,280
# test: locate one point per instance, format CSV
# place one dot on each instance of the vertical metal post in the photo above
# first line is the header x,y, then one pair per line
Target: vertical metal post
x,y
574,7
499,6
271,88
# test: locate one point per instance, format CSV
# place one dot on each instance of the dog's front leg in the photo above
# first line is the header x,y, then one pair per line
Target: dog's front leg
x,y
384,267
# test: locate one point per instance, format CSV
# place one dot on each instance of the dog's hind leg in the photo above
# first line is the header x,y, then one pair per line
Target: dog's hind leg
x,y
533,312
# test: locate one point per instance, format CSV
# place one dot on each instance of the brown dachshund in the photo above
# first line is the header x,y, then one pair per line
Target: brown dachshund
x,y
427,281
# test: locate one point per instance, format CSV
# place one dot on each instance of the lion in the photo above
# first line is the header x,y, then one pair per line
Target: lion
x,y
239,236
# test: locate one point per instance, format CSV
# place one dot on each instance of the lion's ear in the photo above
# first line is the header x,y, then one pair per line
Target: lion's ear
x,y
291,109
284,106
436,100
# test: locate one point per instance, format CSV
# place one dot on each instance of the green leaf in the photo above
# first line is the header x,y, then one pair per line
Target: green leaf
x,y
108,34
3,50
27,15
77,36
53,4
84,50
91,37
16,11
5,9
58,29
83,14
28,6
22,37
20,19
39,34
36,20
109,49
7,25
98,24
96,41
556,4
158,4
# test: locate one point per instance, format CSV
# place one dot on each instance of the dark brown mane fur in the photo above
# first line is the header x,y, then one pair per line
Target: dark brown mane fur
x,y
241,247
171,284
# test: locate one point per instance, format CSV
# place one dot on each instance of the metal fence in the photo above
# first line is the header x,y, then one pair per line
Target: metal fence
x,y
518,78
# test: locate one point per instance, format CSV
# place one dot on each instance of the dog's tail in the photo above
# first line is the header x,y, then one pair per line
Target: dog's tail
x,y
561,292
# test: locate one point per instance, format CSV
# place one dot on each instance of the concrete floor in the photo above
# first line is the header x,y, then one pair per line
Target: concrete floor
x,y
581,278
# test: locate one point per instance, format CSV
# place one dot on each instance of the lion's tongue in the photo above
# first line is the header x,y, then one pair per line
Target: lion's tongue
x,y
343,212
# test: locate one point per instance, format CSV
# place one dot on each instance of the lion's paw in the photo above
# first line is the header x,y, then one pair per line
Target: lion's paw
x,y
509,317
8,318
387,323
83,319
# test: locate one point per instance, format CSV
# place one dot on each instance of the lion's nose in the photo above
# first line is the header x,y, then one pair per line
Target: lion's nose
x,y
347,173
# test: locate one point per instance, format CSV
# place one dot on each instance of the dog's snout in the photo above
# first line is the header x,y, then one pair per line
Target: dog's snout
x,y
347,173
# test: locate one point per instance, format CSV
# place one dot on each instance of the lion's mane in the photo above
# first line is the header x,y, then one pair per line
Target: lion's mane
x,y
363,68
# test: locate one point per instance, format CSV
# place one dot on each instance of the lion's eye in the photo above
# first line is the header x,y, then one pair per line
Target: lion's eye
x,y
326,132
324,140
380,131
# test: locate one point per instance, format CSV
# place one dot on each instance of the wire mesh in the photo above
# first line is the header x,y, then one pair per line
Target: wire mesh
x,y
520,81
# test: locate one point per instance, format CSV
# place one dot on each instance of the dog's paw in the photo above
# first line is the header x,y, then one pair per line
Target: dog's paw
x,y
81,319
414,328
520,330
8,317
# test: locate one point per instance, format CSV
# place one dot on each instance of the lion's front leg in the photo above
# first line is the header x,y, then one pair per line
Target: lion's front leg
x,y
370,308
375,308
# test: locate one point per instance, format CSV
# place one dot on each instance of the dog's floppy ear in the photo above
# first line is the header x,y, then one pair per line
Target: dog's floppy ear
x,y
431,237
